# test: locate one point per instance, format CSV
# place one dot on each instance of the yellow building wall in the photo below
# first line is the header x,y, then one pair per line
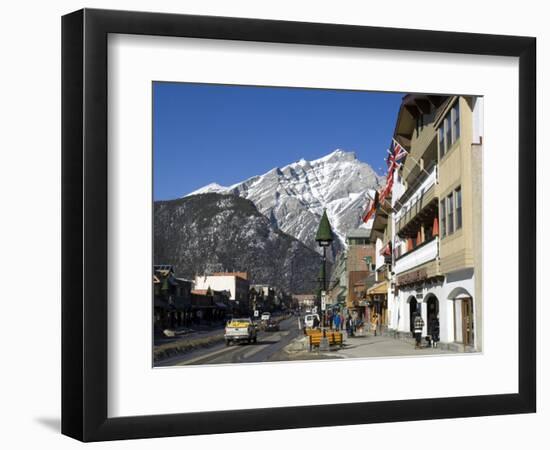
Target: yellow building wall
x,y
455,169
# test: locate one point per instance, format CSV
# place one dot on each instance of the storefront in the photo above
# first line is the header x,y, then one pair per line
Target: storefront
x,y
378,302
445,304
460,287
417,293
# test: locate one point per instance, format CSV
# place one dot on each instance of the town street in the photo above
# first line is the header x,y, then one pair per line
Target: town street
x,y
268,345
289,344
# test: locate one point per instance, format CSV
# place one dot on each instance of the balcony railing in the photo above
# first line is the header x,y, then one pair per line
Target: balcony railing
x,y
422,254
417,195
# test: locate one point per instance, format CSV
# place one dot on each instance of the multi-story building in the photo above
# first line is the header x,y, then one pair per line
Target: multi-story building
x,y
236,283
338,283
360,259
305,301
381,290
436,218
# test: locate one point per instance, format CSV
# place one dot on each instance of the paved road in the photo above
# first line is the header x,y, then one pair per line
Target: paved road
x,y
267,347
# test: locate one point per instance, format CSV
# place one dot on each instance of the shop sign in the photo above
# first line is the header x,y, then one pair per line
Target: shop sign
x,y
412,277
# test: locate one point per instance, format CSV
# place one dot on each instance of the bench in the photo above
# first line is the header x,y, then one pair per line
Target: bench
x,y
334,338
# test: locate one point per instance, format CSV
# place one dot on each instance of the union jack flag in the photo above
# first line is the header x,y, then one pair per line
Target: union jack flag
x,y
396,154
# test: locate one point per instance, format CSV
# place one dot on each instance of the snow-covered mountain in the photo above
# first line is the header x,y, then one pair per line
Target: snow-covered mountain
x,y
211,232
293,197
208,189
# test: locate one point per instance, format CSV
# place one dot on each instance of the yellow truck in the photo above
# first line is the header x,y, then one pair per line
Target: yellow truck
x,y
240,330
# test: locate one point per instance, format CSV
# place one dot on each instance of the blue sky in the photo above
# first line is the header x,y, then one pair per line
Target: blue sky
x,y
225,134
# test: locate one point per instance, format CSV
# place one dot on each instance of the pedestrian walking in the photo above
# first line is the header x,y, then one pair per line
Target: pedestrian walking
x,y
349,326
374,323
336,322
418,326
434,330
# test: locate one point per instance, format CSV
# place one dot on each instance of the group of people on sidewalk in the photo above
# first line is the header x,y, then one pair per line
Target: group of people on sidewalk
x,y
351,325
433,331
339,322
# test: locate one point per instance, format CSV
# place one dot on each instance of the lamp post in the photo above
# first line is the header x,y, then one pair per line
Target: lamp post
x,y
324,238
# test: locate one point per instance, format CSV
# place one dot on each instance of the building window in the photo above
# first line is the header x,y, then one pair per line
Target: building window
x,y
443,219
458,206
449,130
450,214
441,134
456,122
448,133
419,124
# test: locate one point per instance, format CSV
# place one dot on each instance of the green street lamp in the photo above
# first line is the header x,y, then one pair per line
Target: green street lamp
x,y
324,238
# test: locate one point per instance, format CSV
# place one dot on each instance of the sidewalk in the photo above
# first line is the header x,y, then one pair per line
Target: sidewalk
x,y
366,346
377,346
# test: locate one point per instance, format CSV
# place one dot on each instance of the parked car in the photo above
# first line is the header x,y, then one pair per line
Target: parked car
x,y
271,325
240,330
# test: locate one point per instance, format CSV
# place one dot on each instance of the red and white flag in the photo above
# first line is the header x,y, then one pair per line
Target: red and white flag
x,y
398,152
371,208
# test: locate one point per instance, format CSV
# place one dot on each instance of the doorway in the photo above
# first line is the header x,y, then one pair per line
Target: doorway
x,y
433,315
413,306
467,321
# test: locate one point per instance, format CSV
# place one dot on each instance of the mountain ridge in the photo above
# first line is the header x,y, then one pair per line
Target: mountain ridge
x,y
293,197
212,232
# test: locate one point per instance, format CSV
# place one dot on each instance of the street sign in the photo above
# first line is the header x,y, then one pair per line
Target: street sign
x,y
323,301
256,313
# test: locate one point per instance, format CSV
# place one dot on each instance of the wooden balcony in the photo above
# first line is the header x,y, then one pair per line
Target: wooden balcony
x,y
417,204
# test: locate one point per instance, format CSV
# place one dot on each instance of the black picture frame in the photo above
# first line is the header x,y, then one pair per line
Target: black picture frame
x,y
84,224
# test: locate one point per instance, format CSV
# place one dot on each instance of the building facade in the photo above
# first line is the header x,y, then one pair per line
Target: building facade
x,y
360,262
435,219
305,301
236,283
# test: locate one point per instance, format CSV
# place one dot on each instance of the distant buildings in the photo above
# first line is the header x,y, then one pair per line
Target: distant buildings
x,y
360,256
235,282
338,283
305,301
353,274
263,298
209,298
177,304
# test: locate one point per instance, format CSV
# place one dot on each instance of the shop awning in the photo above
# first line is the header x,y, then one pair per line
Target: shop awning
x,y
378,289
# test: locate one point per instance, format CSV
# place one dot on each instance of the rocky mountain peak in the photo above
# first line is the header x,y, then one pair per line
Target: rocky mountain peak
x,y
294,197
336,156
